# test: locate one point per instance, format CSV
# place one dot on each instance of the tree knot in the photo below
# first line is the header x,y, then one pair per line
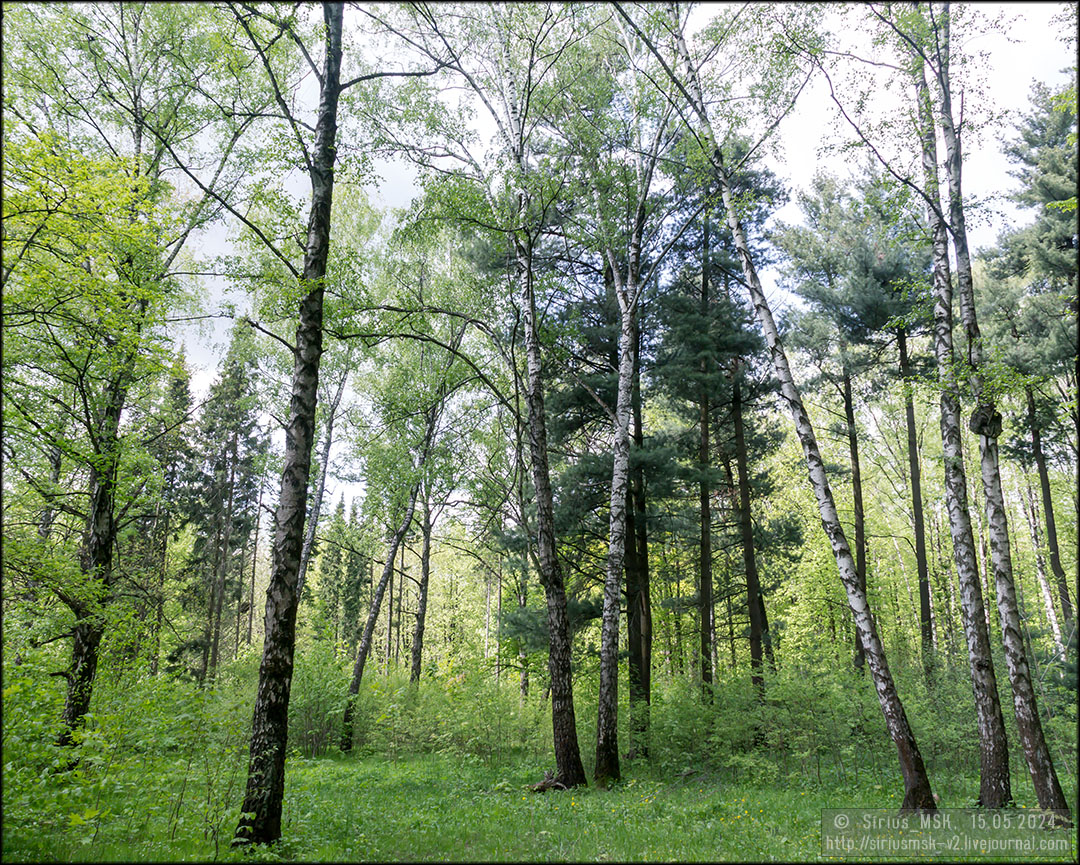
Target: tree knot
x,y
985,421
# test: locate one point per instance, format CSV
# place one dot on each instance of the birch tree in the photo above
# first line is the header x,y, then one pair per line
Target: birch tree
x,y
315,147
505,59
914,163
786,80
115,96
616,130
922,39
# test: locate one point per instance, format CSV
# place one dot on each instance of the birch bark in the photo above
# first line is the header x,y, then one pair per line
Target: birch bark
x,y
986,423
917,795
260,820
995,789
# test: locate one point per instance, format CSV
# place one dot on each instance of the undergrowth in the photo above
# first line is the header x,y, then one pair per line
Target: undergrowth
x,y
441,771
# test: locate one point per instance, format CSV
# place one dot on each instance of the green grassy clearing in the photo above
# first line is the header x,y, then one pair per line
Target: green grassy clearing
x,y
437,807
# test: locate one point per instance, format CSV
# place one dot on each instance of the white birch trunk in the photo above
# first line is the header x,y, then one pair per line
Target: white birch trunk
x,y
995,786
917,792
986,423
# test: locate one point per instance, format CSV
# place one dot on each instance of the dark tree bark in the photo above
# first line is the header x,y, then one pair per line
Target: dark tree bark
x,y
80,675
260,820
1048,511
925,628
569,769
421,607
754,603
373,614
639,604
857,502
96,553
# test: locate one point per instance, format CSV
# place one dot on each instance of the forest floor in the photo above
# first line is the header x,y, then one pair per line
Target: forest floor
x,y
445,808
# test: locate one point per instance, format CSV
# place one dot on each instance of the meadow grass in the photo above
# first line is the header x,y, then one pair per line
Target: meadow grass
x,y
425,807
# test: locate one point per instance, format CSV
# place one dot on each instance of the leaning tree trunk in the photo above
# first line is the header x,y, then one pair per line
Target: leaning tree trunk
x,y
1048,512
373,614
917,793
421,607
917,508
260,820
995,789
857,501
986,423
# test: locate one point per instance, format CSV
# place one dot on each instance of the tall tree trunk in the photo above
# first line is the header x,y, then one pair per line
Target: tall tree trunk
x,y
569,769
523,657
1029,508
254,563
607,750
223,561
421,606
373,614
522,590
916,506
95,560
1048,511
260,820
400,598
986,423
211,605
638,602
239,602
632,567
917,793
705,575
857,500
498,626
754,602
320,489
161,537
984,553
995,789
916,783
390,623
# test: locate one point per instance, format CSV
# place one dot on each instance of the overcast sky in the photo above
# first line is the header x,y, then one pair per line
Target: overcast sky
x,y
1032,50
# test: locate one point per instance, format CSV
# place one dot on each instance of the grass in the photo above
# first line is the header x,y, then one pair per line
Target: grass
x,y
440,807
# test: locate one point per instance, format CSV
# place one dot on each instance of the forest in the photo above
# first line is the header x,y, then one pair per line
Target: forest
x,y
457,431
